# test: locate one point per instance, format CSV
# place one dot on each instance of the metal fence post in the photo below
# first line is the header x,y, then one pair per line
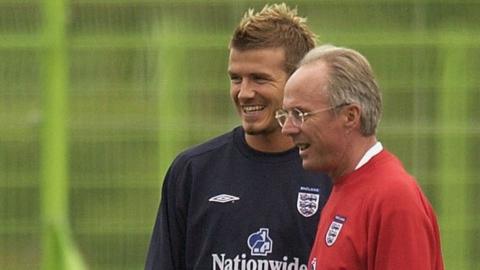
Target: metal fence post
x,y
58,250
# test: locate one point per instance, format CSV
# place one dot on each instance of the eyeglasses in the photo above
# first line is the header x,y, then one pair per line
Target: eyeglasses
x,y
297,116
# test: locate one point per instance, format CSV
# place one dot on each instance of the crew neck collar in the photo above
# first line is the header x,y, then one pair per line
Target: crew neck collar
x,y
249,152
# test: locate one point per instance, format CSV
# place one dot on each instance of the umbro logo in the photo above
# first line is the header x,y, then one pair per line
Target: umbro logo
x,y
223,198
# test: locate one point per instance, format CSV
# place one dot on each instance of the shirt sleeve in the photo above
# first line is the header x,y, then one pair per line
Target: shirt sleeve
x,y
404,234
167,243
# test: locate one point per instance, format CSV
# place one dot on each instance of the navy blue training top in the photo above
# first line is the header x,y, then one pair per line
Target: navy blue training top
x,y
225,205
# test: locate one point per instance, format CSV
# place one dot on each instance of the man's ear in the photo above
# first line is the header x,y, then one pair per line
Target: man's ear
x,y
352,114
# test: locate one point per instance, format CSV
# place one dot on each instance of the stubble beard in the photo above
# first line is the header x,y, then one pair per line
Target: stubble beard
x,y
271,128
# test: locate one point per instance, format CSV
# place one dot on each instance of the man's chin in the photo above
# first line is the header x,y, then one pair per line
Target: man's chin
x,y
309,165
253,131
257,130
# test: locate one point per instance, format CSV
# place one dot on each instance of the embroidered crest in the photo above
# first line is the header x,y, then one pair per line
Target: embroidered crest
x,y
334,230
307,201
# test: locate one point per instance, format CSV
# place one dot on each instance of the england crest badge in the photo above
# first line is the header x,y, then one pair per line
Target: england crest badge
x,y
334,230
307,201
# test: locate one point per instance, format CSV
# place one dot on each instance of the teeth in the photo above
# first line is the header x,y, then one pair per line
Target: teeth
x,y
255,108
303,146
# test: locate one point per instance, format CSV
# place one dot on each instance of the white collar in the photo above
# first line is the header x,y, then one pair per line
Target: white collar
x,y
374,150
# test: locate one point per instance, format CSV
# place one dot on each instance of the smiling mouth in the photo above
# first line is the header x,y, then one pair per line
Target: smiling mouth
x,y
252,108
303,146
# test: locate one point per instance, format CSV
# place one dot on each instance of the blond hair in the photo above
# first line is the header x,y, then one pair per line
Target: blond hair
x,y
275,26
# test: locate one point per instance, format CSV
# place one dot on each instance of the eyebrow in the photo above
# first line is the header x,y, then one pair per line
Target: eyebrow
x,y
303,110
261,74
253,74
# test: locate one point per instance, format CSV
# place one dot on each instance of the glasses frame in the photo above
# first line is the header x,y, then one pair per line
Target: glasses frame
x,y
298,121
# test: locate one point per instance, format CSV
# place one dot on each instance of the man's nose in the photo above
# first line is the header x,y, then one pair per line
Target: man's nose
x,y
246,90
289,128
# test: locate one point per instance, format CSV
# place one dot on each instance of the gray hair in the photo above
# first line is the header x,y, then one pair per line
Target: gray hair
x,y
351,80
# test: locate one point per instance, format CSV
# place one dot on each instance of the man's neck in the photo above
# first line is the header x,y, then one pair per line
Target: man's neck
x,y
273,142
356,150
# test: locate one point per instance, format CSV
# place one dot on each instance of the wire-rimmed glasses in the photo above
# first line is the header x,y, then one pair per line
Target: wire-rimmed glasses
x,y
297,116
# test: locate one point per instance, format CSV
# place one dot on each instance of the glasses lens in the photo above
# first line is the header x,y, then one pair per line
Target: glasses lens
x,y
281,117
297,117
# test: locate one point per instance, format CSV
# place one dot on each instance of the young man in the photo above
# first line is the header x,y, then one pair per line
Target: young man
x,y
377,217
243,200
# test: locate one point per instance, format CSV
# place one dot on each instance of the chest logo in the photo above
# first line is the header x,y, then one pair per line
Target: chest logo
x,y
334,230
260,243
313,264
307,201
223,198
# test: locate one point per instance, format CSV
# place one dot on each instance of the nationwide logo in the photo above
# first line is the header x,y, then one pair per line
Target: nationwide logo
x,y
334,230
260,244
240,262
307,201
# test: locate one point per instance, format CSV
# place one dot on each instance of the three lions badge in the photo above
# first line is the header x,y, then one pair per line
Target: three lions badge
x,y
334,230
308,200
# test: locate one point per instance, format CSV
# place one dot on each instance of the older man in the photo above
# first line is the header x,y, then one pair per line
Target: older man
x,y
377,216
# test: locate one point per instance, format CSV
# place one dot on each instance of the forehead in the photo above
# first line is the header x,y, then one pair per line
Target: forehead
x,y
307,87
256,60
